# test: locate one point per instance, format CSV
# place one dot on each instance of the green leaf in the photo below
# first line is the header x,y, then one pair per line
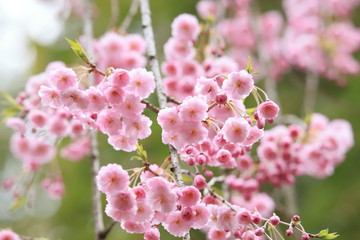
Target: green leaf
x,y
186,178
136,158
78,49
332,236
324,234
12,109
249,67
18,203
255,73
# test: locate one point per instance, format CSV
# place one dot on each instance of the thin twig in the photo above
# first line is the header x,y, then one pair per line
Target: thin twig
x,y
94,156
154,64
311,87
115,9
105,232
129,17
270,83
150,106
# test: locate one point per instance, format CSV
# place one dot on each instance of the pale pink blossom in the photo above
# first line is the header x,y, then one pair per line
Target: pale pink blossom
x,y
160,195
185,27
176,225
189,196
63,78
142,83
112,178
238,85
236,130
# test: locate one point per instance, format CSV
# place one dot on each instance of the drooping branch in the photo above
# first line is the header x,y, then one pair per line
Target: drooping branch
x,y
154,64
94,156
311,87
129,17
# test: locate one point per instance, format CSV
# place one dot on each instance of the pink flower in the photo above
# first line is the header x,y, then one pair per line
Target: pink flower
x,y
193,133
268,110
58,127
63,78
138,127
142,83
131,106
189,196
119,78
168,118
238,85
201,216
49,96
254,135
193,109
76,150
135,227
114,95
97,101
207,9
160,195
152,234
185,27
136,43
119,215
109,122
214,234
123,141
7,234
38,118
144,212
122,201
226,219
112,178
176,225
16,124
235,130
207,87
176,49
74,99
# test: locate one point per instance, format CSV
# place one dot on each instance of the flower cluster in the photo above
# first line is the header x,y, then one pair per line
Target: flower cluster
x,y
156,201
118,51
320,28
285,152
113,106
182,66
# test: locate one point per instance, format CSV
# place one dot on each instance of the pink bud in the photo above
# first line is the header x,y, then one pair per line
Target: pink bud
x,y
221,98
256,218
305,236
275,220
259,232
289,232
201,159
199,181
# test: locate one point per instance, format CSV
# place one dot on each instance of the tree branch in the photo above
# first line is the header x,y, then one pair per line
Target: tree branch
x,y
94,156
129,17
311,87
154,64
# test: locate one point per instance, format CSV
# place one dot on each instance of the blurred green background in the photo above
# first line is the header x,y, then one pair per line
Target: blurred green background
x,y
331,203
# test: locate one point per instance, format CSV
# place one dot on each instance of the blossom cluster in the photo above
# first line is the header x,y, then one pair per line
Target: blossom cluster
x,y
113,106
320,28
155,200
285,152
119,51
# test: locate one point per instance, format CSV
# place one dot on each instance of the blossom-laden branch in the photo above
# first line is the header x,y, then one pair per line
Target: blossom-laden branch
x,y
154,64
94,156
